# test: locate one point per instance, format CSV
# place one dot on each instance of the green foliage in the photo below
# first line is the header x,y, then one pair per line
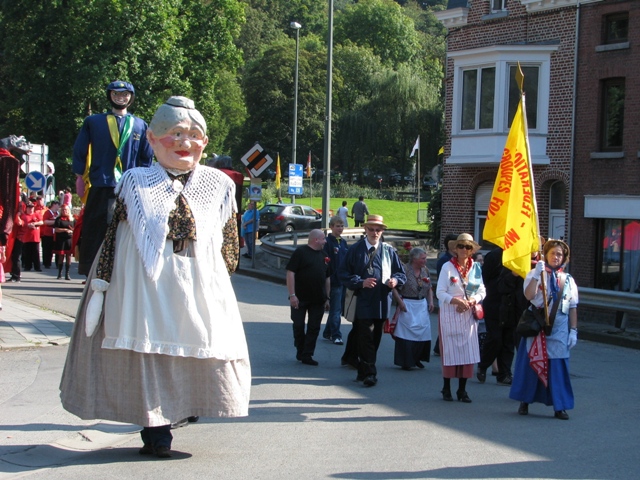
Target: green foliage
x,y
58,57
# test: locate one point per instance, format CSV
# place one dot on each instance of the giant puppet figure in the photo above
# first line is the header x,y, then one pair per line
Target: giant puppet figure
x,y
158,336
108,145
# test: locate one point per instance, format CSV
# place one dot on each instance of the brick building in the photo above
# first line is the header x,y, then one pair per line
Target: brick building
x,y
571,71
606,176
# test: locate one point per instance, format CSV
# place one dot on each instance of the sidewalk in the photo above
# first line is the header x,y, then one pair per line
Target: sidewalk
x,y
23,325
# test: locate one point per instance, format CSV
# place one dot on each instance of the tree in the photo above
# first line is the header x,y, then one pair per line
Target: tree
x,y
269,90
58,56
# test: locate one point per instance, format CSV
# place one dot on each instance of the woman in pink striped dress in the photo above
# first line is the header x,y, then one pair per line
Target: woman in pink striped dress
x,y
459,288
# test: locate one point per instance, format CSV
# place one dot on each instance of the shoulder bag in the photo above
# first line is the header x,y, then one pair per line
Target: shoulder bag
x,y
532,320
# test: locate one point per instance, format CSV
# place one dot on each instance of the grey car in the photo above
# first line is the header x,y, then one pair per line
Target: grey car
x,y
287,217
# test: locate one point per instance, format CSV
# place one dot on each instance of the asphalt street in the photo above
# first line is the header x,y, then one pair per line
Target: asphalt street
x,y
310,422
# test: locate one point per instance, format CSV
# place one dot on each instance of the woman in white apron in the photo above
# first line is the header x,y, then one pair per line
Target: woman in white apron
x,y
415,301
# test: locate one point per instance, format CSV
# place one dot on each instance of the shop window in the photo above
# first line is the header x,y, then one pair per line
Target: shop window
x,y
620,256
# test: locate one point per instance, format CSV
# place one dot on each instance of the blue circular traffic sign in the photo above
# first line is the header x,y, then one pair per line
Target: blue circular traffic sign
x,y
35,181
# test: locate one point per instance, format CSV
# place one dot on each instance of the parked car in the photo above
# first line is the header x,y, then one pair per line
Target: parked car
x,y
287,217
428,183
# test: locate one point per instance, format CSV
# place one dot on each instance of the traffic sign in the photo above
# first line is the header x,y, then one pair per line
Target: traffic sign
x,y
256,160
295,179
35,181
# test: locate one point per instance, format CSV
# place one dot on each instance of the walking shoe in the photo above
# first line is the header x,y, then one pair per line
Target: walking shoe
x,y
179,423
481,374
309,361
163,452
147,449
338,341
561,414
508,380
370,380
523,409
193,419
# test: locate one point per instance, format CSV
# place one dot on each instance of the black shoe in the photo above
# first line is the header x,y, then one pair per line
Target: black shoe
x,y
523,409
481,374
561,414
370,380
446,395
508,380
309,361
193,419
463,397
180,423
359,378
146,450
419,364
163,452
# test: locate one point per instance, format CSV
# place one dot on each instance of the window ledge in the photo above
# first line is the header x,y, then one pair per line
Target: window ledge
x,y
612,46
495,15
607,155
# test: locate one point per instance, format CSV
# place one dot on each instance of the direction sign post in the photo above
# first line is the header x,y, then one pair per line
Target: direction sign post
x,y
295,179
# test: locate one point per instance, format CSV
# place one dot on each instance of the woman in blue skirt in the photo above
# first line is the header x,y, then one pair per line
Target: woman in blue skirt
x,y
541,372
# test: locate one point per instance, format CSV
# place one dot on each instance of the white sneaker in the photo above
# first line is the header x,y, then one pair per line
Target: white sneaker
x,y
338,341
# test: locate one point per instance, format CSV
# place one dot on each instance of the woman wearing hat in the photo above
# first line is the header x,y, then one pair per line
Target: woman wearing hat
x,y
459,288
528,386
158,336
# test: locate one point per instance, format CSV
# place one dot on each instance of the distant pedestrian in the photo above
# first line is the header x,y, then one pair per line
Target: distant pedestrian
x,y
309,289
3,258
336,249
343,213
250,218
31,238
359,211
67,197
46,232
63,232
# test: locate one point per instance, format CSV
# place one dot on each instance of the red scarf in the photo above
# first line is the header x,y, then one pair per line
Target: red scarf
x,y
538,358
463,271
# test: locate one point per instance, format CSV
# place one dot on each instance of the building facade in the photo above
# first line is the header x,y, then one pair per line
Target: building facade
x,y
575,74
605,224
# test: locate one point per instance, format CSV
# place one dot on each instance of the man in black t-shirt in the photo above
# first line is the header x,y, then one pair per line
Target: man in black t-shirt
x,y
309,286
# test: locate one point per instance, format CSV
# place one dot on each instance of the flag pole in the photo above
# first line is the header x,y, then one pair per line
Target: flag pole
x,y
418,182
520,79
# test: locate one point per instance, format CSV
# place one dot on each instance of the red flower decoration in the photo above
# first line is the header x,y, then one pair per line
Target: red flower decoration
x,y
407,245
453,280
426,279
326,260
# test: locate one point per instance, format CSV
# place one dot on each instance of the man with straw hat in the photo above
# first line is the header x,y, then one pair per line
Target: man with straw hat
x,y
372,269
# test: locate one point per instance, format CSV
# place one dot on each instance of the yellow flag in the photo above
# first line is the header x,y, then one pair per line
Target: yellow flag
x,y
278,175
441,151
512,217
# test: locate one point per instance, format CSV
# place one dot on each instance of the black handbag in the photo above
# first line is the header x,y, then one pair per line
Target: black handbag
x,y
531,322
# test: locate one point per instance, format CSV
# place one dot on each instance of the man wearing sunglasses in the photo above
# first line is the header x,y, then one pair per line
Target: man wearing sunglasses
x,y
372,269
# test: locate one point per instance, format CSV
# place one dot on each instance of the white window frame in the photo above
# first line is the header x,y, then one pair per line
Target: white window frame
x,y
478,147
498,6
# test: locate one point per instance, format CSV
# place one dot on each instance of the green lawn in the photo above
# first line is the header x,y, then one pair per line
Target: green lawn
x,y
397,215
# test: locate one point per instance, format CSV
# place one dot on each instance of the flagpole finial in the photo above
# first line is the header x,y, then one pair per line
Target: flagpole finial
x,y
520,78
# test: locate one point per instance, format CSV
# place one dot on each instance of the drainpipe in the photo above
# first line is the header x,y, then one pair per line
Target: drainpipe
x,y
573,123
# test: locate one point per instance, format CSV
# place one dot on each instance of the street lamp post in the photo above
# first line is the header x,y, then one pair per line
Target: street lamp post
x,y
326,188
296,26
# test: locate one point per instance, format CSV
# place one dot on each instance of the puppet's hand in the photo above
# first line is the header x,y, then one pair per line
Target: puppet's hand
x,y
94,309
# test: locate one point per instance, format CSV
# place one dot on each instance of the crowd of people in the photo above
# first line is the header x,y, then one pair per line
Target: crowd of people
x,y
480,303
159,241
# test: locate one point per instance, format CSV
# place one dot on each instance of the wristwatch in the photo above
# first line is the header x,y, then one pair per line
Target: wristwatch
x,y
292,295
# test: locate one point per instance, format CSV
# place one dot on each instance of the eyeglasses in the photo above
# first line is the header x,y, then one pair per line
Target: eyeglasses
x,y
466,247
